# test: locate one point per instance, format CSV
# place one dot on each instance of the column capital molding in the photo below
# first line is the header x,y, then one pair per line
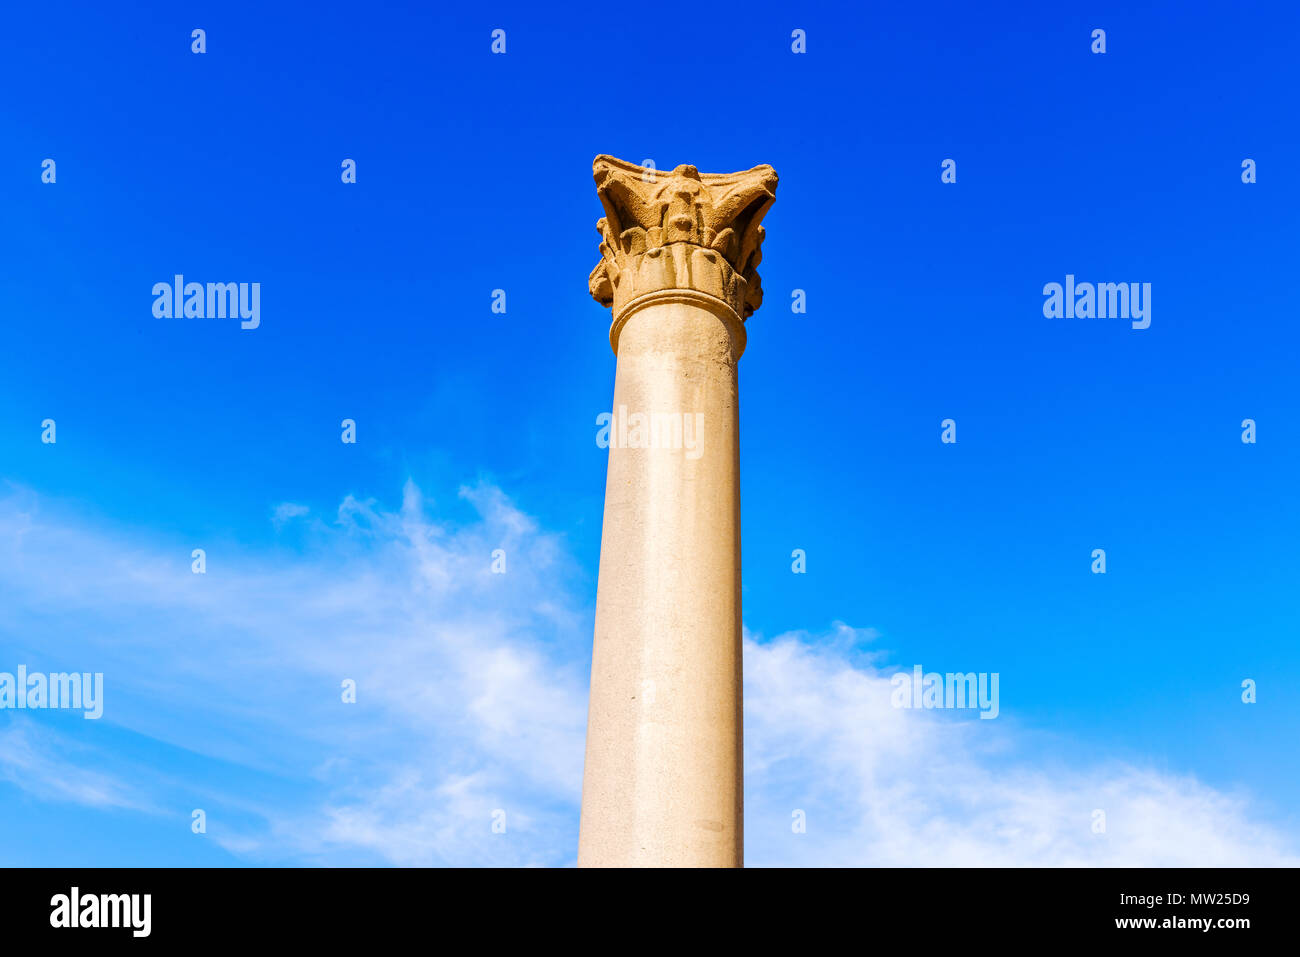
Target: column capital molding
x,y
680,230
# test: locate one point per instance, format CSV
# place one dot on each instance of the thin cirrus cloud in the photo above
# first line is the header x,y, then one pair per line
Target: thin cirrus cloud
x,y
885,786
223,691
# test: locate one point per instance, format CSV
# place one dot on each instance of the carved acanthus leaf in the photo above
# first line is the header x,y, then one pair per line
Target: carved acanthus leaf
x,y
646,209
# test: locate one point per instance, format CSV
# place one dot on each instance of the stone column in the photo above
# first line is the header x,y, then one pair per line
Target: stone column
x,y
663,781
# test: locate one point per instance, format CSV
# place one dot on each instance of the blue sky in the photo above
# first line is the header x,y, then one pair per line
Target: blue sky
x,y
476,430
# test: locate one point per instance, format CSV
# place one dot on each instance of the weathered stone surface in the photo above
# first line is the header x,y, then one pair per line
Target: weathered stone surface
x,y
663,777
680,230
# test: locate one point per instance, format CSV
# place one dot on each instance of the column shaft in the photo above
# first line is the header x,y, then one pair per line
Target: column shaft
x,y
663,778
663,782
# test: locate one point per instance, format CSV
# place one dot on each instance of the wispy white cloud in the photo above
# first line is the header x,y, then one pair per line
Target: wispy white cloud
x,y
50,767
470,685
471,700
897,787
286,512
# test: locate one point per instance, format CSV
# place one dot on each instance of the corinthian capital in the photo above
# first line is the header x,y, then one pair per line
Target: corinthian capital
x,y
680,230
